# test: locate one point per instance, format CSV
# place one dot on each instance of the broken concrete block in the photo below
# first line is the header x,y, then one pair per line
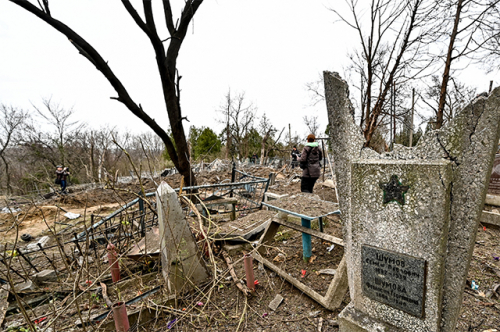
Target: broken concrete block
x,y
45,276
34,246
28,285
181,262
328,183
276,302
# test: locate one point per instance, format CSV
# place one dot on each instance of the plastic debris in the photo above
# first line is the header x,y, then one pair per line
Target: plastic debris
x,y
330,248
474,286
71,215
38,321
10,210
199,304
171,323
303,272
264,315
496,258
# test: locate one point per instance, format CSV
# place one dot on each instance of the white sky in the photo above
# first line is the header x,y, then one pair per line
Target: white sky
x,y
267,48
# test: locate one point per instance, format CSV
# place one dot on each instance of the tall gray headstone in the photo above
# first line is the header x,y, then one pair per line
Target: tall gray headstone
x,y
182,266
410,216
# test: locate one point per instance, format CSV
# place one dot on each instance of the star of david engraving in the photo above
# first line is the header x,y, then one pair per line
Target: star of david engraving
x,y
394,191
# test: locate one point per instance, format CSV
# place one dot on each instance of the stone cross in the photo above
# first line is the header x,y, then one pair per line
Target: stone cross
x,y
182,266
410,216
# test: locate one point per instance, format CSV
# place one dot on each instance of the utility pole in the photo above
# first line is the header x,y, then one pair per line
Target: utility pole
x,y
411,119
289,136
394,114
228,135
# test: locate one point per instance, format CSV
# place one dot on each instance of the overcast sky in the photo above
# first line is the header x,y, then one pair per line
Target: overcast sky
x,y
267,48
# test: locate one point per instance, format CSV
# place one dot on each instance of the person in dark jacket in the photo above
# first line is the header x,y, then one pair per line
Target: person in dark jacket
x,y
61,177
295,154
309,162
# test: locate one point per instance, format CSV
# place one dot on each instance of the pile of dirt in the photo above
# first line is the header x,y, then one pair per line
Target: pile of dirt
x,y
306,204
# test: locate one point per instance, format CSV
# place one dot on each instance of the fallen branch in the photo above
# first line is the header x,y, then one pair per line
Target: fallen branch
x,y
105,295
240,286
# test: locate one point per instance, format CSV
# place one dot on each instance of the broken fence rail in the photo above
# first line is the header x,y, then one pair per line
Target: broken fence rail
x,y
230,186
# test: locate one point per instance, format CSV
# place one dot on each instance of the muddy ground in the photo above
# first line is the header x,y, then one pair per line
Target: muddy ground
x,y
220,305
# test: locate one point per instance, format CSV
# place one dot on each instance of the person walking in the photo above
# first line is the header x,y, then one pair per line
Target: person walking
x,y
295,154
61,177
309,162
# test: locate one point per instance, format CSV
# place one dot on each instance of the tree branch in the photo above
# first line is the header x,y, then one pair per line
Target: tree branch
x,y
93,56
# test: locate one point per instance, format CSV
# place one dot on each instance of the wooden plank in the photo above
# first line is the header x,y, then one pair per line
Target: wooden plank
x,y
268,235
307,290
312,232
490,218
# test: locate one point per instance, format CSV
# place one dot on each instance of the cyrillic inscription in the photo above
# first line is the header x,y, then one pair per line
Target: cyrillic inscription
x,y
394,279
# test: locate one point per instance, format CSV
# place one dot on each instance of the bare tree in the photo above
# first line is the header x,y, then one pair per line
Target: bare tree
x,y
267,131
11,119
166,60
241,116
458,95
393,45
312,124
474,34
65,128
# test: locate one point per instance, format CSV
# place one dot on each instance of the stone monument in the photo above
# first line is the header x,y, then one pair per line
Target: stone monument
x,y
410,216
182,266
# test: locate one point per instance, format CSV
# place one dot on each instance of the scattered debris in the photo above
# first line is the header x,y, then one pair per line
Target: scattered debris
x,y
327,271
314,313
26,237
328,183
44,276
42,242
280,258
10,210
152,240
276,302
71,215
236,280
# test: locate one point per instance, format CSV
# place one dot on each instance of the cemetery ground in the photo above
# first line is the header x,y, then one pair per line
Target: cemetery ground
x,y
76,294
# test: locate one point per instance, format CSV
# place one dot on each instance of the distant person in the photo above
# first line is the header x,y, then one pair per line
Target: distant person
x,y
309,162
62,174
254,158
295,154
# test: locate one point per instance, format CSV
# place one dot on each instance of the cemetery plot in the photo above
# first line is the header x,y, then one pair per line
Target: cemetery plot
x,y
52,294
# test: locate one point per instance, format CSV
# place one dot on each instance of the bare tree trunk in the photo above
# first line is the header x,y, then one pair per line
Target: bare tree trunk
x,y
372,118
447,66
263,147
7,175
166,62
